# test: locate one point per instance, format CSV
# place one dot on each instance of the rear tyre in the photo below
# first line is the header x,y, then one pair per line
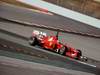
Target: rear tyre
x,y
62,50
32,41
80,52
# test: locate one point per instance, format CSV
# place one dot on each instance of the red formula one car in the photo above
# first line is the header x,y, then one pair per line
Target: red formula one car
x,y
52,43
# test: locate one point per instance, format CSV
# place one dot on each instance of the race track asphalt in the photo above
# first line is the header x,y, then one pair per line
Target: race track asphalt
x,y
12,66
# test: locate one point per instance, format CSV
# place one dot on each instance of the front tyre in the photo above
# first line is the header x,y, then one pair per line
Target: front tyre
x,y
62,50
32,41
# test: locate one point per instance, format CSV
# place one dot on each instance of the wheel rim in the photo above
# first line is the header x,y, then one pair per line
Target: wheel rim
x,y
61,51
31,41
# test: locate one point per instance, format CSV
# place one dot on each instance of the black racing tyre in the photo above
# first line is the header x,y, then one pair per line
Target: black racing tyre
x,y
32,41
80,52
62,50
